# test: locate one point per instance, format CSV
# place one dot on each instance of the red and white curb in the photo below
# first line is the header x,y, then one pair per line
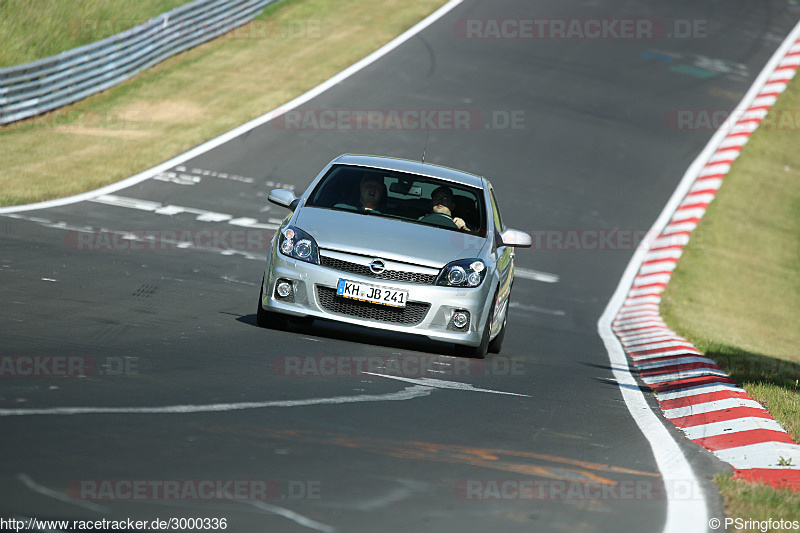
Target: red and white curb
x,y
695,394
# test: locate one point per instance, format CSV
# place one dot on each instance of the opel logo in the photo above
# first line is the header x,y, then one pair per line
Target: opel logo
x,y
377,266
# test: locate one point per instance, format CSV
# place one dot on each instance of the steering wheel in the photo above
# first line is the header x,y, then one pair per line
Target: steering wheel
x,y
439,219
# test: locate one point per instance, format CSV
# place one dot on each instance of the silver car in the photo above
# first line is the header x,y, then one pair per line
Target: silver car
x,y
396,245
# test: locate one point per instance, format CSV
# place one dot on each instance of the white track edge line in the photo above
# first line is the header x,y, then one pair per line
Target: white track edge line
x,y
236,132
683,516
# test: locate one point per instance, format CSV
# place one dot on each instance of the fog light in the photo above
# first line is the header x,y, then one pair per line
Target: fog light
x,y
284,288
460,319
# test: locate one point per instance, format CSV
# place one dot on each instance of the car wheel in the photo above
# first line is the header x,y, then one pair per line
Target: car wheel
x,y
497,343
268,319
480,351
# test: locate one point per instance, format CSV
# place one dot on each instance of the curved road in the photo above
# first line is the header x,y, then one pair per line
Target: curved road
x,y
581,138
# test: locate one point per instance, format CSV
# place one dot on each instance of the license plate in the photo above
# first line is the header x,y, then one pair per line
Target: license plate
x,y
371,293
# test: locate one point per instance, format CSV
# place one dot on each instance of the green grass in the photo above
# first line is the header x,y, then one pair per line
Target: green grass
x,y
736,290
758,502
291,48
35,29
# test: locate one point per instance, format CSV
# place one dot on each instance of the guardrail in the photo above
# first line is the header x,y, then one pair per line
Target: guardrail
x,y
34,88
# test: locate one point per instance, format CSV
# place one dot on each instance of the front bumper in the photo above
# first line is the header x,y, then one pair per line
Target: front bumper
x,y
429,310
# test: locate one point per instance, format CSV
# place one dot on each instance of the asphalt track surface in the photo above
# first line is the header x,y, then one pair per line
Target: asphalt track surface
x,y
593,150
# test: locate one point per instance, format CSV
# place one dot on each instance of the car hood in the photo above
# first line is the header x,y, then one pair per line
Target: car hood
x,y
387,238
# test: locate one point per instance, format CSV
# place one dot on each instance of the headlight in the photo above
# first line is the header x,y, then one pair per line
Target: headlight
x,y
298,244
462,273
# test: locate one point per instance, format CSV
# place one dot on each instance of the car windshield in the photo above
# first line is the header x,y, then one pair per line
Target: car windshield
x,y
410,197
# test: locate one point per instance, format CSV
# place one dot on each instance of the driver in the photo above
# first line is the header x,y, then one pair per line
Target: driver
x,y
442,202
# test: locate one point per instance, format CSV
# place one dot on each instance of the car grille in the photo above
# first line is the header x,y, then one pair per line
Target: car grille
x,y
363,270
410,315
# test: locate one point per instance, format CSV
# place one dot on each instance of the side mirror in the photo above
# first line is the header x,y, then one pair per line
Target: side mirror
x,y
516,238
283,198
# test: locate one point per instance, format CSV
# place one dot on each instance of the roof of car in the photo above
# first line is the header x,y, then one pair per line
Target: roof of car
x,y
413,167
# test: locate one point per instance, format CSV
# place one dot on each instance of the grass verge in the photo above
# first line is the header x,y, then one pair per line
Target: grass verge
x,y
30,32
758,502
736,289
292,47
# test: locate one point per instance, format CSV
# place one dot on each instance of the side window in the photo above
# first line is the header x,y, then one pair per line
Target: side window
x,y
498,221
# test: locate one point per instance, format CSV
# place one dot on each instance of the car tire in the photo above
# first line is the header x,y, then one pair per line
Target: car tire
x,y
496,344
268,319
480,351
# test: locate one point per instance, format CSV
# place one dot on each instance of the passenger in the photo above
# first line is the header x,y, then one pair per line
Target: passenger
x,y
372,192
442,202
